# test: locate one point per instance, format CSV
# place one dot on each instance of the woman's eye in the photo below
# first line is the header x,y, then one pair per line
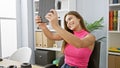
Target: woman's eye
x,y
69,19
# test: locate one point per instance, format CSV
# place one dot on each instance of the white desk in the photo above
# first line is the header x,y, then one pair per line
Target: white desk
x,y
7,63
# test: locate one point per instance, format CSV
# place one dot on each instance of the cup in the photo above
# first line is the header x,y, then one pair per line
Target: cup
x,y
26,65
12,66
1,59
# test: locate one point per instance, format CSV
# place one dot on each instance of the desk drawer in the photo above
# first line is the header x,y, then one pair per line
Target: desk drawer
x,y
43,57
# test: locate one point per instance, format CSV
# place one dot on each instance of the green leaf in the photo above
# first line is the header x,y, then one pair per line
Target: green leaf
x,y
95,25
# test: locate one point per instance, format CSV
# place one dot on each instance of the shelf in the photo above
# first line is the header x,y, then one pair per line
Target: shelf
x,y
63,10
48,26
36,0
39,30
114,53
53,48
65,6
36,12
114,31
114,34
114,5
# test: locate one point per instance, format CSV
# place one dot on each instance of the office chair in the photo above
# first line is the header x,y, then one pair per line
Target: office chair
x,y
22,55
93,61
95,56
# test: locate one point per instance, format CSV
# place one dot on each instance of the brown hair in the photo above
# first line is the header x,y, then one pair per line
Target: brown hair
x,y
77,15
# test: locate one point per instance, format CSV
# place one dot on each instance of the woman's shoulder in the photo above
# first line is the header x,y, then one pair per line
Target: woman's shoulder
x,y
91,36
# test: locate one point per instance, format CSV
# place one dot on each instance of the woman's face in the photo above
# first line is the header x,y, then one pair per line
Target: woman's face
x,y
73,23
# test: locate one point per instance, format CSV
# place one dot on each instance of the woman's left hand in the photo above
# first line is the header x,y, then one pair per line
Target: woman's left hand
x,y
52,17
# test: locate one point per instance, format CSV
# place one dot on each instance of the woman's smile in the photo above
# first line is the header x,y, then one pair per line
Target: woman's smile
x,y
71,25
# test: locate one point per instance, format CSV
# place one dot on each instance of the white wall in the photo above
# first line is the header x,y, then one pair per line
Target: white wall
x,y
94,10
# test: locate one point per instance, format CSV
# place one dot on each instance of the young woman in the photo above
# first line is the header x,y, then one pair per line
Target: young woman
x,y
78,42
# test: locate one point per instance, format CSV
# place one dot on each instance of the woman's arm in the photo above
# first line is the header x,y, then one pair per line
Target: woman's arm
x,y
51,35
73,40
46,31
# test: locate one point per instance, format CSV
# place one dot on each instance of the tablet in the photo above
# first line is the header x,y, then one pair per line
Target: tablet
x,y
44,8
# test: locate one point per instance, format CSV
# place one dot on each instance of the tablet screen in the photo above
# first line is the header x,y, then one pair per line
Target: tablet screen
x,y
44,8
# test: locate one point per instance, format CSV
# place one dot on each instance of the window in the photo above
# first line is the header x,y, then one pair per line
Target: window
x,y
8,27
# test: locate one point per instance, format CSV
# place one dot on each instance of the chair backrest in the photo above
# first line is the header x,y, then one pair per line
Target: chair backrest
x,y
95,56
61,61
22,54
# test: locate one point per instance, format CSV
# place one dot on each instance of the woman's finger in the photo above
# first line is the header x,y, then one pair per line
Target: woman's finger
x,y
38,19
53,11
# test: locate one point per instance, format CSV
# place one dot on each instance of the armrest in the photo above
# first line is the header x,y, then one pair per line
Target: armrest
x,y
6,57
51,66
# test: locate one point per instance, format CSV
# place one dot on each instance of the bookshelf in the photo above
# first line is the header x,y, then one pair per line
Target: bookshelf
x,y
62,7
114,34
114,23
66,5
114,15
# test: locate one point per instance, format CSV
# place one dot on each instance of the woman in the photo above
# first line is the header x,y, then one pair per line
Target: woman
x,y
78,42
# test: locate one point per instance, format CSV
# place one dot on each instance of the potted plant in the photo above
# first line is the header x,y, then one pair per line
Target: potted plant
x,y
94,26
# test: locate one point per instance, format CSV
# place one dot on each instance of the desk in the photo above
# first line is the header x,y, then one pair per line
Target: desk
x,y
7,62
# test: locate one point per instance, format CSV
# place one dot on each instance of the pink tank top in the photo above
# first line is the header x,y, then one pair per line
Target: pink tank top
x,y
77,56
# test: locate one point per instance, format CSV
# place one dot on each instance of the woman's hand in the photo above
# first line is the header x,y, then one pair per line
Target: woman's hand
x,y
52,17
39,22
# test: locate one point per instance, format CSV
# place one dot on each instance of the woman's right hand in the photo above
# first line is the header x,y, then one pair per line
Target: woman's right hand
x,y
39,22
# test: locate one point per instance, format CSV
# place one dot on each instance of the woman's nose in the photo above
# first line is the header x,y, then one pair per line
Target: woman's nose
x,y
69,23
